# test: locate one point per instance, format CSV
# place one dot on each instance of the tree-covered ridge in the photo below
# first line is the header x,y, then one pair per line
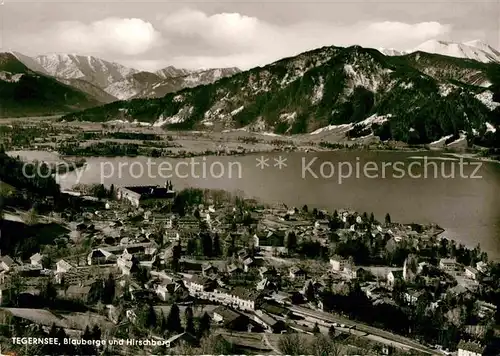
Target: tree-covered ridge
x,y
32,177
427,96
25,93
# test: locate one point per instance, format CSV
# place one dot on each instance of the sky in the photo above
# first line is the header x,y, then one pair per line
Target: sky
x,y
209,34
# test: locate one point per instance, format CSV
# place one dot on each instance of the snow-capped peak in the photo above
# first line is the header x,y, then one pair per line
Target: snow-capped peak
x,y
95,70
391,52
476,50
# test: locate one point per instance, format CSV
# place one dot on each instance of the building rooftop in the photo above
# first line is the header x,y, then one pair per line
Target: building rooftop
x,y
7,260
78,290
471,346
448,260
266,318
227,314
135,249
296,270
39,316
245,293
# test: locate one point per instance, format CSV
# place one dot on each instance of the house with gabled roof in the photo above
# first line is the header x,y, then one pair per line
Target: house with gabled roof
x,y
62,266
183,337
137,252
36,260
198,284
209,270
100,257
297,273
235,271
244,298
230,318
248,263
7,263
394,276
269,323
268,273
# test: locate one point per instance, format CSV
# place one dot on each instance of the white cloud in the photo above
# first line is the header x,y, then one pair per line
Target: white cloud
x,y
409,32
122,36
219,30
237,40
192,39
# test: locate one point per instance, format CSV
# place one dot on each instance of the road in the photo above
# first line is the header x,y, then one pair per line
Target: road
x,y
362,330
268,344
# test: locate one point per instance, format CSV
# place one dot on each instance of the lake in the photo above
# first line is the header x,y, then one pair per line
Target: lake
x,y
421,187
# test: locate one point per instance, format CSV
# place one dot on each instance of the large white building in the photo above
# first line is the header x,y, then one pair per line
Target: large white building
x,y
338,263
469,348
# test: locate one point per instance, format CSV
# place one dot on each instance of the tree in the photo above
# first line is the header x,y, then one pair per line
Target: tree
x,y
321,345
291,241
189,328
48,292
310,292
61,335
206,244
174,319
217,345
305,209
176,256
142,274
204,325
31,217
162,324
316,329
96,292
191,247
183,348
101,192
387,219
331,332
16,287
53,330
151,319
96,333
109,290
86,334
216,245
292,344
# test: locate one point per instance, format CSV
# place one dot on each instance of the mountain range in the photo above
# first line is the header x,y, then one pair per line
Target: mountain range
x,y
107,81
476,50
415,97
24,92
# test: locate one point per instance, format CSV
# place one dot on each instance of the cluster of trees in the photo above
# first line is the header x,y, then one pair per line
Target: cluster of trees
x,y
319,345
187,198
405,320
205,244
97,190
103,149
113,149
23,136
119,135
148,318
34,177
104,291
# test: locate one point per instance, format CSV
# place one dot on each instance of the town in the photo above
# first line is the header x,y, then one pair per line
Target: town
x,y
213,272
